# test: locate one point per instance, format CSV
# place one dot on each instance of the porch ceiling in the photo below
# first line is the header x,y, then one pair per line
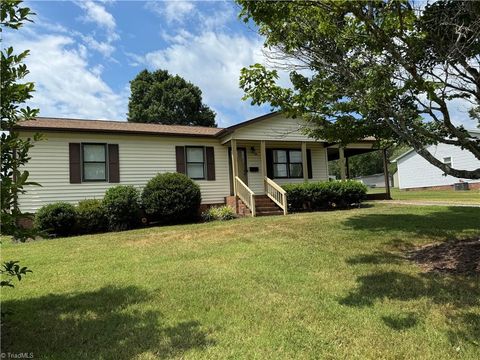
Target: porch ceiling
x,y
333,153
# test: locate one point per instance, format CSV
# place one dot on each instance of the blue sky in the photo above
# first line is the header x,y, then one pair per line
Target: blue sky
x,y
84,53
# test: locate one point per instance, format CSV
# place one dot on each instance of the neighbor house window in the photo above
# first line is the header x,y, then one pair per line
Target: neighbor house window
x,y
94,158
287,164
447,161
195,162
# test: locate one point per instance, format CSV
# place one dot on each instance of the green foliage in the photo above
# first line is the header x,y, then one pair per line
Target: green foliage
x,y
122,208
91,217
12,270
57,219
221,213
161,98
379,68
14,150
171,198
324,195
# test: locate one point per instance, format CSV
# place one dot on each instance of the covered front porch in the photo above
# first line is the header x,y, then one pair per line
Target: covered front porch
x,y
259,168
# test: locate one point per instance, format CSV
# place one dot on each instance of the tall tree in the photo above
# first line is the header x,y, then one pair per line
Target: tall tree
x,y
161,98
14,149
373,68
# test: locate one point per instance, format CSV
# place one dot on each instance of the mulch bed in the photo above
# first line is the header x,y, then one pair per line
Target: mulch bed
x,y
460,257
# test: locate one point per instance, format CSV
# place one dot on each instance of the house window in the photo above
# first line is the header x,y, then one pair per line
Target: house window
x,y
195,162
287,164
94,162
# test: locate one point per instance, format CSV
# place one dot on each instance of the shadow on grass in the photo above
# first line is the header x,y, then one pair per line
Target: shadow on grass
x,y
378,257
459,294
102,324
395,285
444,222
468,328
401,321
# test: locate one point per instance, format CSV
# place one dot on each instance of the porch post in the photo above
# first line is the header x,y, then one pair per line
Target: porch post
x,y
234,164
385,173
304,161
263,159
347,168
341,160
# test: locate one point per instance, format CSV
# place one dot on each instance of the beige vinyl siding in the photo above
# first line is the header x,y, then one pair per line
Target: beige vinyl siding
x,y
277,128
255,181
141,158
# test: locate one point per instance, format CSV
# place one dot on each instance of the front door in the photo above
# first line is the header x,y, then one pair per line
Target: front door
x,y
242,165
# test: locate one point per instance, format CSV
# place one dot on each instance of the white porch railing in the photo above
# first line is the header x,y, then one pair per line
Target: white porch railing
x,y
245,194
277,194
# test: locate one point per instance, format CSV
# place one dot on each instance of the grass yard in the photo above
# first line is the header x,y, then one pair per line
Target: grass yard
x,y
329,285
447,196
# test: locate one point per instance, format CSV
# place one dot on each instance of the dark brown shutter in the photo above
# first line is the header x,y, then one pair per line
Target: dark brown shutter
x,y
75,163
309,164
269,153
113,163
210,154
180,156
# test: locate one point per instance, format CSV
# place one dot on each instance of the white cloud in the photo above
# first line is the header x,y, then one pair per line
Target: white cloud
x,y
97,14
66,85
211,61
173,11
103,47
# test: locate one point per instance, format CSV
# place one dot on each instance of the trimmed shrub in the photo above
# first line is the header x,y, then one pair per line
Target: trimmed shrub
x,y
219,213
56,219
324,195
171,198
91,217
122,207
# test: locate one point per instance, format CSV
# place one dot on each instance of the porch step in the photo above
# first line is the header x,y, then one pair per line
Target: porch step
x,y
270,213
264,206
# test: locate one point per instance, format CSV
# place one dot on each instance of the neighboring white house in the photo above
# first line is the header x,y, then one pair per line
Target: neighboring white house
x,y
416,172
374,181
81,159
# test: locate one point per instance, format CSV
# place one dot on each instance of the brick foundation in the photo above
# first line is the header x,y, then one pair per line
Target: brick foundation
x,y
237,205
26,223
205,207
471,186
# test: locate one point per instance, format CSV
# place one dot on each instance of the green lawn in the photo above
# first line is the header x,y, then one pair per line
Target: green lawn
x,y
448,196
329,285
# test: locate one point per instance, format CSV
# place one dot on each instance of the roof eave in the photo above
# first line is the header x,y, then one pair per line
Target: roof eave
x,y
108,131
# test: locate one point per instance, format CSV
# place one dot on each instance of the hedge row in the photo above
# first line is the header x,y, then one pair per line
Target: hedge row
x,y
324,195
167,198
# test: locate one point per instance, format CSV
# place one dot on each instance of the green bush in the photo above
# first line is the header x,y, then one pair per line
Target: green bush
x,y
171,198
122,208
219,213
56,219
91,217
324,195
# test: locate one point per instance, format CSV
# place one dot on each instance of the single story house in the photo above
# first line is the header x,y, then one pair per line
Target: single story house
x,y
243,165
414,172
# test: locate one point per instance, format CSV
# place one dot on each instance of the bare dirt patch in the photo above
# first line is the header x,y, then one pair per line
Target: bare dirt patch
x,y
453,256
